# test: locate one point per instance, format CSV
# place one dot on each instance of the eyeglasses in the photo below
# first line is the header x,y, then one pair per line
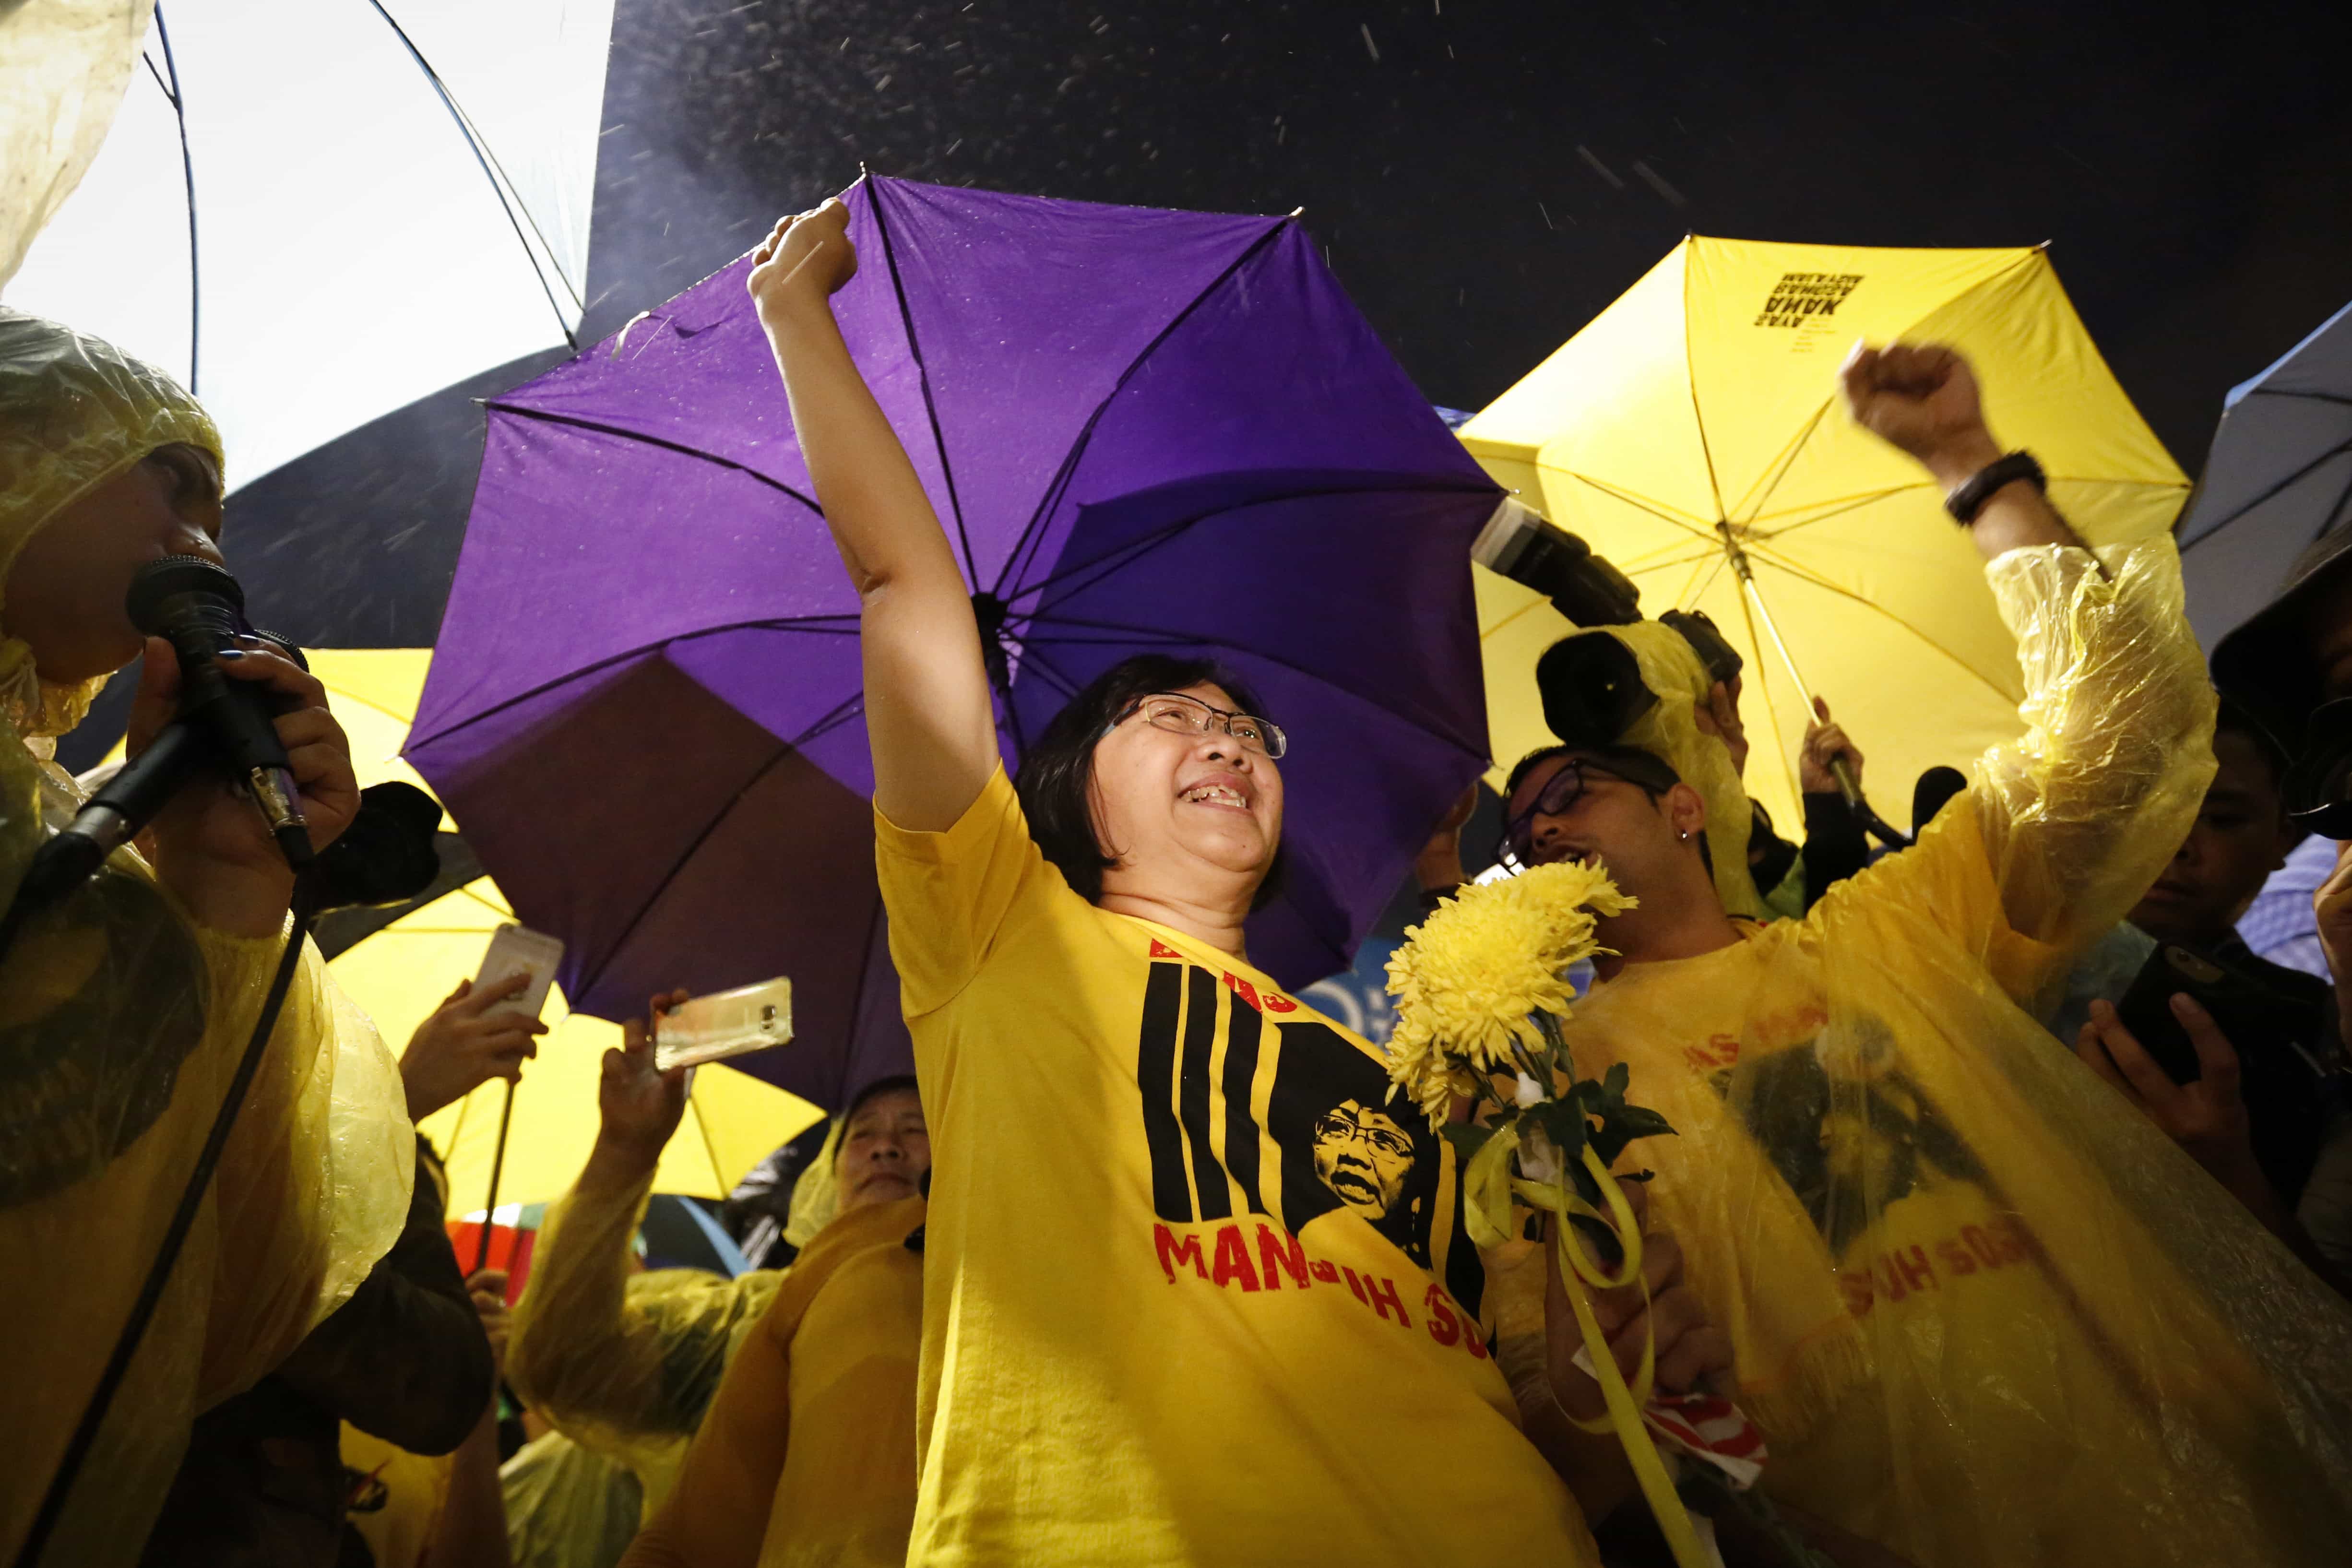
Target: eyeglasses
x,y
1560,792
1338,1126
1182,715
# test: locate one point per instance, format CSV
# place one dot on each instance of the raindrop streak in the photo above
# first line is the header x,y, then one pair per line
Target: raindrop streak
x,y
1600,168
1366,29
1674,197
1547,217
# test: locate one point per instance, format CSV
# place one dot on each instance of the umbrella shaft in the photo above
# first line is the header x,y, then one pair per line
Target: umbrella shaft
x,y
1838,769
498,1162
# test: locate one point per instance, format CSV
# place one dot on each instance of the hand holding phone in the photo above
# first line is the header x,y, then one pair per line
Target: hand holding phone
x,y
517,950
724,1024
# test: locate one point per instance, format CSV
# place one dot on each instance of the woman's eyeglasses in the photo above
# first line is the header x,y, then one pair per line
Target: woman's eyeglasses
x,y
1182,715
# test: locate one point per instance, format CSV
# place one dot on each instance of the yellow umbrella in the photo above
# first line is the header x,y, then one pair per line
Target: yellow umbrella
x,y
1692,434
399,974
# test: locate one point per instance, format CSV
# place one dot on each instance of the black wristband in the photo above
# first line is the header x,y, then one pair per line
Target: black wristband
x,y
1965,502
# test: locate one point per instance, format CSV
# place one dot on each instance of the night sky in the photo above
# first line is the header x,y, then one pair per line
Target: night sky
x,y
1486,175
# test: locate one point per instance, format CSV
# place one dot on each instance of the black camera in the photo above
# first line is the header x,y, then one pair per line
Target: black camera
x,y
1559,565
2319,783
1592,684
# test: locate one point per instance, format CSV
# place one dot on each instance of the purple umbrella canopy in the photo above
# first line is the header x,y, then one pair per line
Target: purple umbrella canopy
x,y
1143,431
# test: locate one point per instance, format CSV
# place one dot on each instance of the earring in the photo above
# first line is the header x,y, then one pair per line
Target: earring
x,y
1685,835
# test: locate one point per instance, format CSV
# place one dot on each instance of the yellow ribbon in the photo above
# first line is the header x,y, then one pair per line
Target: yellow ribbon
x,y
1488,1191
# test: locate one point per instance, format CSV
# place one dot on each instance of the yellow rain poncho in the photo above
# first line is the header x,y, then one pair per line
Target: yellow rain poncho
x,y
121,1023
1986,1313
625,1364
1671,670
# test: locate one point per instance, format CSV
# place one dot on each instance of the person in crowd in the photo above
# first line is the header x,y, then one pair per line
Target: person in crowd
x,y
463,1044
411,1505
624,1362
1963,1284
808,1453
1933,790
406,1360
1836,845
2263,1110
406,1368
1153,1332
124,1010
2289,657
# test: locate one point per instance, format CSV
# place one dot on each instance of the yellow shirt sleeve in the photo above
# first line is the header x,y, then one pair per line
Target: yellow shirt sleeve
x,y
949,894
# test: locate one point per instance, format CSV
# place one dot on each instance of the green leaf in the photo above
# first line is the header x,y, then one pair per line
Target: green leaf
x,y
1618,1076
1468,1138
1564,1125
1622,1126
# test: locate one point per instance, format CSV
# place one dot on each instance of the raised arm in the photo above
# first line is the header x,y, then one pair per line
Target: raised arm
x,y
927,712
1922,397
2078,815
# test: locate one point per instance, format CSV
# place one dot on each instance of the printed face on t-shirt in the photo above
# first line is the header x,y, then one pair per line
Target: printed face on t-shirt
x,y
1252,1106
1365,1155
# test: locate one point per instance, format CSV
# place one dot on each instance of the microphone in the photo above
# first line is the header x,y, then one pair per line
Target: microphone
x,y
224,725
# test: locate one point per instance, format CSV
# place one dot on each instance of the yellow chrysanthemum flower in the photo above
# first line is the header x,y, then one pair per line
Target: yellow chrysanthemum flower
x,y
1469,980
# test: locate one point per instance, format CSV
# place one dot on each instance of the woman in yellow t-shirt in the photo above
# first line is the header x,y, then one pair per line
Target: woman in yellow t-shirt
x,y
1196,1289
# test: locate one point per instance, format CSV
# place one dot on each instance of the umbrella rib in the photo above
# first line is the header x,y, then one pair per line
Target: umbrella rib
x,y
2272,491
187,176
1786,459
1033,532
1070,579
923,379
1788,456
1690,380
1834,509
2308,396
548,415
778,622
1805,575
497,179
1640,502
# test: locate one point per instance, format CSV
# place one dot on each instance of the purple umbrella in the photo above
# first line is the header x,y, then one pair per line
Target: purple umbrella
x,y
1143,429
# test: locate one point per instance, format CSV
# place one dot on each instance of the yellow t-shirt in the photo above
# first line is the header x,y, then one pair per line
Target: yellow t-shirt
x,y
847,1490
1195,1292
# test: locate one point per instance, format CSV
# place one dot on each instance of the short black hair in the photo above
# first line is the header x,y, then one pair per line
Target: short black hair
x,y
2236,718
1646,771
870,1093
1057,775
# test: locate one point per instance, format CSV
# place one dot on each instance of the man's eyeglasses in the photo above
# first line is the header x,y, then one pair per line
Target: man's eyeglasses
x,y
1560,792
1182,715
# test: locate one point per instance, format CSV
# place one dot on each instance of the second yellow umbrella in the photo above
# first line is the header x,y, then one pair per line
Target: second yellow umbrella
x,y
401,973
1692,434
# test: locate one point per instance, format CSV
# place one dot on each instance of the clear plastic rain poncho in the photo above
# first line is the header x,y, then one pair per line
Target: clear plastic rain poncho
x,y
627,1363
1984,1311
121,1023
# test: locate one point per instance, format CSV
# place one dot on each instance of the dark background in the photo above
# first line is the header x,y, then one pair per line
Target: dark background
x,y
1486,175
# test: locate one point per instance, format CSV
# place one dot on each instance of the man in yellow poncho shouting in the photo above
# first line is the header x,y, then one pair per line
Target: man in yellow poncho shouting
x,y
1983,1313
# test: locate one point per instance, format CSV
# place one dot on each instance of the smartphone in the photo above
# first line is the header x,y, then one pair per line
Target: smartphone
x,y
518,949
2248,1010
724,1024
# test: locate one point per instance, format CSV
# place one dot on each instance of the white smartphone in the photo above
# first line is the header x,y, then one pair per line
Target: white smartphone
x,y
724,1024
518,950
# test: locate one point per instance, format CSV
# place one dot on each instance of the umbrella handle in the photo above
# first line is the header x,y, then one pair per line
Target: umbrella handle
x,y
497,1163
